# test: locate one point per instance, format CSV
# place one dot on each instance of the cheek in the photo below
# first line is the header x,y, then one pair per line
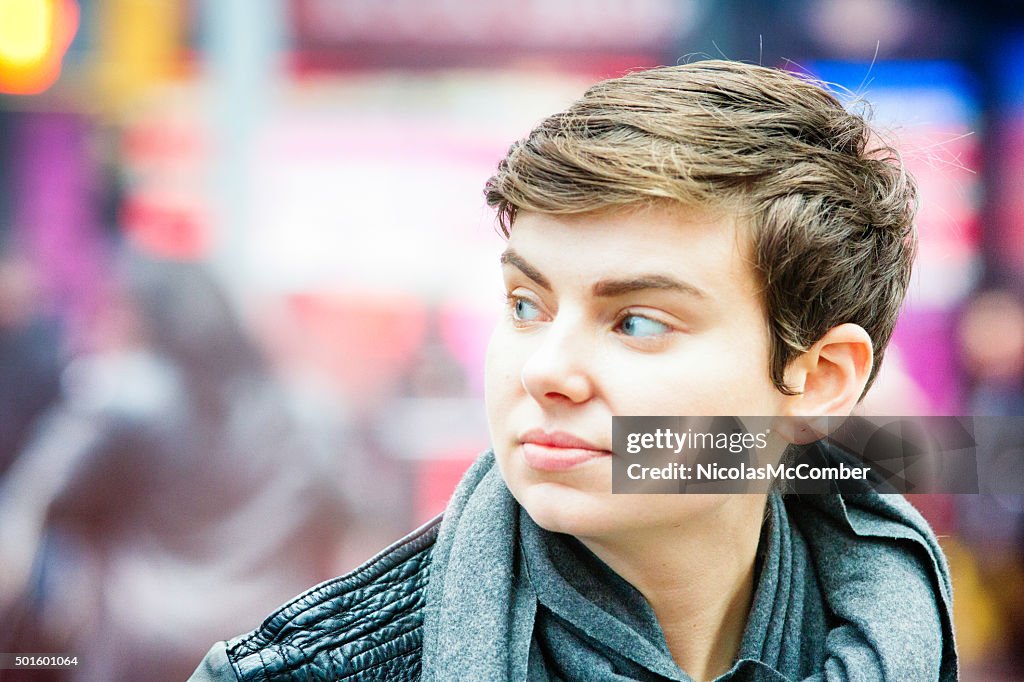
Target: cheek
x,y
501,377
711,375
680,382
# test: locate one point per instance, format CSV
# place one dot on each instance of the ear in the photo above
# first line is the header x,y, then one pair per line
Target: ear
x,y
830,378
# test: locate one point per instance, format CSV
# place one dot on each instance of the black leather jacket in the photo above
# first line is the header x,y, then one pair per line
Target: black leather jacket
x,y
367,625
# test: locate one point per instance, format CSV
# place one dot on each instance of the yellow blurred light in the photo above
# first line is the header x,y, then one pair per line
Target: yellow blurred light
x,y
34,35
137,47
26,33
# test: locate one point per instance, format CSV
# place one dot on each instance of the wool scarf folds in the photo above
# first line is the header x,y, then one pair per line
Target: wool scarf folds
x,y
850,587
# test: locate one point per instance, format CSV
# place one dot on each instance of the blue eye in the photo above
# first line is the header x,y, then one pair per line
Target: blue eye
x,y
638,325
524,310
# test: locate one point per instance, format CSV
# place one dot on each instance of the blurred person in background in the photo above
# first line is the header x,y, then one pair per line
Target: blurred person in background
x,y
176,490
30,355
991,341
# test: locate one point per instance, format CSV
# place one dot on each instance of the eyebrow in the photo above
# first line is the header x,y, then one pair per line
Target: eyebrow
x,y
510,257
619,287
609,288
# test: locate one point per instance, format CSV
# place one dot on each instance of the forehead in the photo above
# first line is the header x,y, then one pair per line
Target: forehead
x,y
709,251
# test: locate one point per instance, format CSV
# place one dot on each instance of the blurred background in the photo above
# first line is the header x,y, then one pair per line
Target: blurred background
x,y
247,276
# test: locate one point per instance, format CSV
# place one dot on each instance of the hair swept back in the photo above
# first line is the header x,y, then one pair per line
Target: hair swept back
x,y
829,207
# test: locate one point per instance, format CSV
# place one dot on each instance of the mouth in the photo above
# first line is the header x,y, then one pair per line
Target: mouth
x,y
557,450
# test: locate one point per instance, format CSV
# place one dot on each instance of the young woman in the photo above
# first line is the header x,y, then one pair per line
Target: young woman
x,y
708,239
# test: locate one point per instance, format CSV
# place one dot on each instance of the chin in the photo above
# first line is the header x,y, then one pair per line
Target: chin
x,y
561,509
578,503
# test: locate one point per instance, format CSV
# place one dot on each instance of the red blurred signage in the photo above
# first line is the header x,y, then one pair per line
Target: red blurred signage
x,y
164,211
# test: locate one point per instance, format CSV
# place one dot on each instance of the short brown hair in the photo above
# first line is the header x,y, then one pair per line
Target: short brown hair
x,y
830,208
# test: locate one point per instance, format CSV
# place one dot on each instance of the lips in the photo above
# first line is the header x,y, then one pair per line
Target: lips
x,y
557,450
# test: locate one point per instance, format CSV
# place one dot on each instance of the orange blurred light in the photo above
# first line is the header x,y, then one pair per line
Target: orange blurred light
x,y
34,35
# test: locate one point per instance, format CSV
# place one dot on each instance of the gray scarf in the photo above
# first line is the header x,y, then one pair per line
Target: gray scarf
x,y
851,587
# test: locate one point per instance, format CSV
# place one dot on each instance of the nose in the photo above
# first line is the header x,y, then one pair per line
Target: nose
x,y
558,370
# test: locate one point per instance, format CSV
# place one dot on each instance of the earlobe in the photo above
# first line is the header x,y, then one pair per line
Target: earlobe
x,y
830,378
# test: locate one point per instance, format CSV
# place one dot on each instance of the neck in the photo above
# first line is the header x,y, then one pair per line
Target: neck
x,y
697,576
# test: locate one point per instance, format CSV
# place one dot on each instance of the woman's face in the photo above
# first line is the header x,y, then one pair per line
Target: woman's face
x,y
651,311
